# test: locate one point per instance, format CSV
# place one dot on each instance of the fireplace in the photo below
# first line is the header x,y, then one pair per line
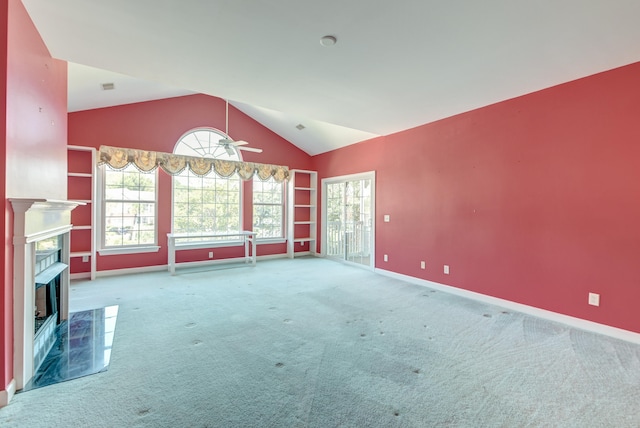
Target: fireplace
x,y
41,279
49,270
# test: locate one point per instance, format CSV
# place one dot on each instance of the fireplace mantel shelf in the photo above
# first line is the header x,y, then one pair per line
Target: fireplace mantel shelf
x,y
27,204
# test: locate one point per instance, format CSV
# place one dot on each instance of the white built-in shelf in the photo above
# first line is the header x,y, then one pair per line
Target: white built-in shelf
x,y
85,162
301,209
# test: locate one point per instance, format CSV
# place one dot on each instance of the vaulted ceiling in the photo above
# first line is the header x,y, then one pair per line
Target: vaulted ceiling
x,y
395,65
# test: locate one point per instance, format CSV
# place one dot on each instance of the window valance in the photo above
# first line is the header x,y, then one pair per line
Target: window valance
x,y
172,164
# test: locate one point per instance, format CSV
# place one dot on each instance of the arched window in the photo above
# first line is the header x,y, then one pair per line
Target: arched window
x,y
208,204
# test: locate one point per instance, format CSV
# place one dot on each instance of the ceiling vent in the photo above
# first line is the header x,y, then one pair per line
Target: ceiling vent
x,y
108,86
300,127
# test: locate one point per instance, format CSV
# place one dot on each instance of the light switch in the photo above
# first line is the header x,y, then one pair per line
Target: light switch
x,y
386,218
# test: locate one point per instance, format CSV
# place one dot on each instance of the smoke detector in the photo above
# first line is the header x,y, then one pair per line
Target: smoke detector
x,y
328,40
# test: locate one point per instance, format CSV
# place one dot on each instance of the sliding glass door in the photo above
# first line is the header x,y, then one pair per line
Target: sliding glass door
x,y
348,210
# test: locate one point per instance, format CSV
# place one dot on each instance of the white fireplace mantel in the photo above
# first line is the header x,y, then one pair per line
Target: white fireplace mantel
x,y
34,220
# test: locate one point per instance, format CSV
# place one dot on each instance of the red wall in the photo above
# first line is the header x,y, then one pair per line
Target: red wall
x,y
35,136
6,307
37,115
158,125
535,200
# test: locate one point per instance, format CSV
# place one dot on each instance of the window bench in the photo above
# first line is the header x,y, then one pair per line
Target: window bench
x,y
177,242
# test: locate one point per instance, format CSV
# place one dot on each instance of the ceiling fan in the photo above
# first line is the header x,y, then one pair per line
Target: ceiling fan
x,y
228,143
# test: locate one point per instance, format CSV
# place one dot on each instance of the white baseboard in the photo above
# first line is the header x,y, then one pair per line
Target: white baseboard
x,y
579,323
157,268
129,271
7,394
80,275
301,254
272,256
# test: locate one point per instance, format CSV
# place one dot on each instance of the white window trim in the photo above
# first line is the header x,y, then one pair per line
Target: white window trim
x,y
112,251
129,249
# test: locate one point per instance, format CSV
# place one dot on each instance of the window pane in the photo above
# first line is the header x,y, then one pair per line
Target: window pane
x,y
208,204
268,208
129,207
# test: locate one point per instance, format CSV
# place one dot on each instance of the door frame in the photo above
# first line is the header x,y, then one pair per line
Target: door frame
x,y
369,175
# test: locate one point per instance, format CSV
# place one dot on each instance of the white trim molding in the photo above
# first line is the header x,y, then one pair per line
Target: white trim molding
x,y
594,327
128,271
113,251
7,394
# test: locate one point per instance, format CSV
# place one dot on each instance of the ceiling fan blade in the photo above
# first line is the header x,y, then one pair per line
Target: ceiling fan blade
x,y
239,145
250,149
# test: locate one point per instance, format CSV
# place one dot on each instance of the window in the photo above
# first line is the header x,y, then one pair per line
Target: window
x,y
209,204
268,208
129,208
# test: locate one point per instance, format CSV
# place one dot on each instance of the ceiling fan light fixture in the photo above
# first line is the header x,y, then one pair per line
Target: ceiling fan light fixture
x,y
328,40
230,146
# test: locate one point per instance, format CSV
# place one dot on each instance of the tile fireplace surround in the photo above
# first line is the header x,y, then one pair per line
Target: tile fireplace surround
x,y
35,220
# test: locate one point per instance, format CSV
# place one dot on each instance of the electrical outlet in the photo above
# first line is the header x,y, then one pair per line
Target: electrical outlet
x,y
302,244
446,269
594,299
85,259
423,265
386,258
210,254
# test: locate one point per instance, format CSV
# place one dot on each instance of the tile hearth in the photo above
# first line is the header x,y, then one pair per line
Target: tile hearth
x,y
83,347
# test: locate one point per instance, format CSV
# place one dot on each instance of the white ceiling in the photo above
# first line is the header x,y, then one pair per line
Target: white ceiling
x,y
396,65
85,88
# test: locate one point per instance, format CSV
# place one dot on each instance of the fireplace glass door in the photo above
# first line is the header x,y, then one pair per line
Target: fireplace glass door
x,y
48,270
